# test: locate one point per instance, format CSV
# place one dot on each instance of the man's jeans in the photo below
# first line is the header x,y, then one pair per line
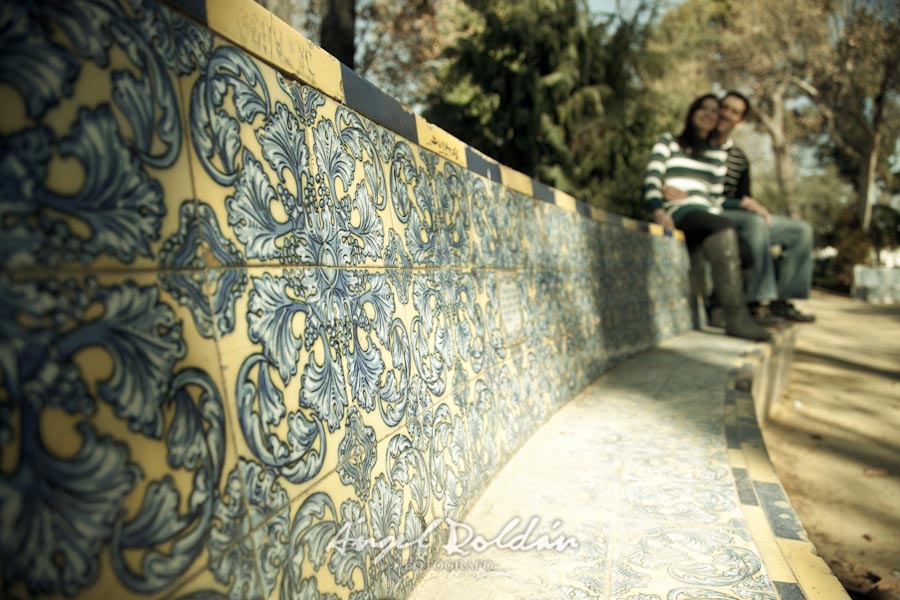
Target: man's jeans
x,y
793,276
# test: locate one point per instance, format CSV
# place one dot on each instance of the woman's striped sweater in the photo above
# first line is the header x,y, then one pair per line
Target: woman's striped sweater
x,y
701,178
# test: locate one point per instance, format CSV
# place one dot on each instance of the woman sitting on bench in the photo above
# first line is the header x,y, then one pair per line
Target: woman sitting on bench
x,y
690,163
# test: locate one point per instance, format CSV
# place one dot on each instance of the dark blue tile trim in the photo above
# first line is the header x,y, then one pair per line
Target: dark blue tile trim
x,y
783,521
542,191
613,219
583,208
195,8
479,164
643,226
364,97
750,432
750,426
669,233
789,591
733,437
744,370
744,487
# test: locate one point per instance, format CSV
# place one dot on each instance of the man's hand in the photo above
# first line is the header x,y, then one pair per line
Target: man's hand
x,y
748,203
663,218
673,194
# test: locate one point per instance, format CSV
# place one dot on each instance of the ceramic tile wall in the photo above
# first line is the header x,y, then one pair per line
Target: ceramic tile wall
x,y
239,318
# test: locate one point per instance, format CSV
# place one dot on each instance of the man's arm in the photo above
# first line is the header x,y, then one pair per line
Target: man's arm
x,y
749,204
743,185
737,178
738,184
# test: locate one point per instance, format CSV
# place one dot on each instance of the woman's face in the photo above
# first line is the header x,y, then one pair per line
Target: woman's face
x,y
706,116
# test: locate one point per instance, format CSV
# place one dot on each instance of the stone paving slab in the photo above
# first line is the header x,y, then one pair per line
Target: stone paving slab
x,y
636,471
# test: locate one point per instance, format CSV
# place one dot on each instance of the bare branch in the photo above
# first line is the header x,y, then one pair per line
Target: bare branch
x,y
830,120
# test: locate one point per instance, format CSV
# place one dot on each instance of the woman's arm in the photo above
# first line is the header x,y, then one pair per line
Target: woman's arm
x,y
656,174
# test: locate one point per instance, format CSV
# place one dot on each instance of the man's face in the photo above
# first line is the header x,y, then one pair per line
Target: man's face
x,y
731,114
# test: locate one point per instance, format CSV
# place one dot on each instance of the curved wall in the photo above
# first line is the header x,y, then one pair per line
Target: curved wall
x,y
247,308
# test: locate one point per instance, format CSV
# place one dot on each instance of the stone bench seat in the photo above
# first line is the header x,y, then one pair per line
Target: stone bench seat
x,y
652,483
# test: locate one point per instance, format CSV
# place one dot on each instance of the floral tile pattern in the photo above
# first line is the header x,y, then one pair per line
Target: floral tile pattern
x,y
114,436
691,563
92,183
239,316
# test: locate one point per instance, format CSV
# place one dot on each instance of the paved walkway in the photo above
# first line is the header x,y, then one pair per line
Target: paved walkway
x,y
636,470
834,439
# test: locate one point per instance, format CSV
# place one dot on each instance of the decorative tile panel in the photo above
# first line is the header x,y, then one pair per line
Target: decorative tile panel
x,y
240,316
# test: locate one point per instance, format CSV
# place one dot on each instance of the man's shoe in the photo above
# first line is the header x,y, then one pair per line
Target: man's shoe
x,y
763,316
788,311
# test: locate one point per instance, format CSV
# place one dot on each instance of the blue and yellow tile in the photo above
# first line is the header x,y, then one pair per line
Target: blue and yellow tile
x,y
119,412
311,367
94,142
291,176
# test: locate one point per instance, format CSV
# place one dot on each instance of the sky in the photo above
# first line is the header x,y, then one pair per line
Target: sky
x,y
606,5
611,6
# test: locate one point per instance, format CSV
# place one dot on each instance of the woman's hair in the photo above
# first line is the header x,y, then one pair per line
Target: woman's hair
x,y
689,139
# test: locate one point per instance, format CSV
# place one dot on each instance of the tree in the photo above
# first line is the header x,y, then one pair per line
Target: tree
x,y
337,30
304,16
396,45
682,45
767,49
542,89
857,89
401,44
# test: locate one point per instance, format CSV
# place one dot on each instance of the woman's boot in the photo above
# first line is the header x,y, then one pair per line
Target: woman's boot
x,y
721,250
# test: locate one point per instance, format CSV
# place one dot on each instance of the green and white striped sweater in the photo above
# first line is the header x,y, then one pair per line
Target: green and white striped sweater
x,y
701,178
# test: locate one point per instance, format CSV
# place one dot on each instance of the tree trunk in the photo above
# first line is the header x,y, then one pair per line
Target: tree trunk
x,y
867,188
337,33
784,175
774,124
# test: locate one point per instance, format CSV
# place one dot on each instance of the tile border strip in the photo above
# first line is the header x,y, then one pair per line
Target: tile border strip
x,y
364,97
479,163
195,8
796,570
252,27
542,191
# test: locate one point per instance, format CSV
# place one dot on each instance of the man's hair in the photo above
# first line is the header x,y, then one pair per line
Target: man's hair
x,y
742,98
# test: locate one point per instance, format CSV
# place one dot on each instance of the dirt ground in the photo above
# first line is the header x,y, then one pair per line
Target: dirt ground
x,y
834,439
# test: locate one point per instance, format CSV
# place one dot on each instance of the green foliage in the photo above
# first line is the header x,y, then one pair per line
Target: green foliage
x,y
857,90
414,33
820,197
885,230
540,88
853,247
683,46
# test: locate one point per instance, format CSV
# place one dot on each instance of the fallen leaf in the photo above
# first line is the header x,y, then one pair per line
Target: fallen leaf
x,y
873,472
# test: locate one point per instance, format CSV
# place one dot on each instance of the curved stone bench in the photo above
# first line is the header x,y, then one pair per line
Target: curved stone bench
x,y
259,320
652,483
